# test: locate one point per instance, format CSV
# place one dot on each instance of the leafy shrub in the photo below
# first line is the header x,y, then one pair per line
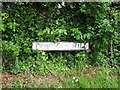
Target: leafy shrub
x,y
24,23
10,55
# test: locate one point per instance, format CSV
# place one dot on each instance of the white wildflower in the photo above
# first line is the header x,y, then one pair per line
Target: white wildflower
x,y
74,78
72,81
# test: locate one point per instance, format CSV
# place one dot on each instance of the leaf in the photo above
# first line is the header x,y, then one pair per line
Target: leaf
x,y
88,35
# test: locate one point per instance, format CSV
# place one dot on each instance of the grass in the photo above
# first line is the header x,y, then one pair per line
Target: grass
x,y
90,77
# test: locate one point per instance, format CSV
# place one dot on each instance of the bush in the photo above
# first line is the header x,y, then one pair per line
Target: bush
x,y
24,23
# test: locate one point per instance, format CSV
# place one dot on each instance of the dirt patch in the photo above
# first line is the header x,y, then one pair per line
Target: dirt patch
x,y
50,78
7,79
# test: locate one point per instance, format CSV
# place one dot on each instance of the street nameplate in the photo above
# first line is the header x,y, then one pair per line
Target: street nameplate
x,y
59,46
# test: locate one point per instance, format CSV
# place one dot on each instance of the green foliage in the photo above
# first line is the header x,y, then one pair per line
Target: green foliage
x,y
24,23
11,54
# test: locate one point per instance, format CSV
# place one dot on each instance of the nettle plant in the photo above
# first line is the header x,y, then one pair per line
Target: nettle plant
x,y
24,23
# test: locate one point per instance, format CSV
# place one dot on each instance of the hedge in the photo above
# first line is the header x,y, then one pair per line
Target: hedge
x,y
24,23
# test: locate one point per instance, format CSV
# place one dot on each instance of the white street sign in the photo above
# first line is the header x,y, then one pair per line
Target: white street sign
x,y
59,46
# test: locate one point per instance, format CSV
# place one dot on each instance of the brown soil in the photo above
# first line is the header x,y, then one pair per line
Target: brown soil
x,y
49,78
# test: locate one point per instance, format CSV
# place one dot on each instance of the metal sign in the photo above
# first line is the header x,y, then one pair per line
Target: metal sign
x,y
59,46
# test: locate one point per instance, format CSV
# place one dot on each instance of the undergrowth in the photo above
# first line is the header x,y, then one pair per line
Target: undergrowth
x,y
102,77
